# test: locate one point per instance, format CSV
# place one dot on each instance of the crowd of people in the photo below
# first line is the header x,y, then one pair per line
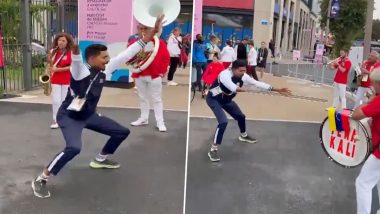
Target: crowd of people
x,y
209,59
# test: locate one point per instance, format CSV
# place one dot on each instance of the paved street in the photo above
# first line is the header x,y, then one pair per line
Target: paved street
x,y
151,179
285,172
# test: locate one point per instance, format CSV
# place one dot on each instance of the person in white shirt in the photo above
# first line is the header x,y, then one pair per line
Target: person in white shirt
x,y
252,60
174,47
228,55
213,49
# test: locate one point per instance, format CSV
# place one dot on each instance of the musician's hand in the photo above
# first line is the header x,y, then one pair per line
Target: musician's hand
x,y
159,23
151,32
364,71
370,97
75,49
283,91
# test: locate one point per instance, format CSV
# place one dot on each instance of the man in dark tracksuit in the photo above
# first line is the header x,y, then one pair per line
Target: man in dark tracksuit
x,y
87,81
220,99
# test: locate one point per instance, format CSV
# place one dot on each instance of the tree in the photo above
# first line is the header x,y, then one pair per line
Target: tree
x,y
376,29
10,16
348,25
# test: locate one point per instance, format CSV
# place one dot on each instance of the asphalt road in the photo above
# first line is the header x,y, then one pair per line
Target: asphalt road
x,y
151,179
286,172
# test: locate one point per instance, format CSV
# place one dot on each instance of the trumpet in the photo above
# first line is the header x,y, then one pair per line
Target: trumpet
x,y
333,61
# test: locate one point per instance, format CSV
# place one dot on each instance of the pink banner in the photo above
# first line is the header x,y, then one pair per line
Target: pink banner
x,y
105,21
2,63
197,17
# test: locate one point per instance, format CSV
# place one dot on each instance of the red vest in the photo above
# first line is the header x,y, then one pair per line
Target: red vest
x,y
159,66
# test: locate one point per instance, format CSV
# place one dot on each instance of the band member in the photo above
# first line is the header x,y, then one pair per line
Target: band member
x,y
149,85
59,59
86,85
262,55
174,47
343,66
220,99
228,55
364,82
369,175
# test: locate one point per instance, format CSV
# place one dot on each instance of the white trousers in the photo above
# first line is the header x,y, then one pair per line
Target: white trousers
x,y
150,88
339,95
360,98
367,179
58,95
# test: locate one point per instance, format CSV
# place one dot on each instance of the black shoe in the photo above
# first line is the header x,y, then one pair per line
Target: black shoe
x,y
106,164
247,139
213,155
40,189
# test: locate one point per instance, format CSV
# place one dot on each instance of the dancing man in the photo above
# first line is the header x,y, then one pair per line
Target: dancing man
x,y
220,99
149,84
369,175
343,66
85,87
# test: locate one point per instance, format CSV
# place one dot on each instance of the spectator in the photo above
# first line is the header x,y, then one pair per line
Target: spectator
x,y
241,51
199,59
174,46
213,49
252,60
262,56
272,47
228,55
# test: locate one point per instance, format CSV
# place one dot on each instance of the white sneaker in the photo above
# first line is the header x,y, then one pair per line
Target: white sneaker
x,y
378,212
172,83
54,126
161,127
140,122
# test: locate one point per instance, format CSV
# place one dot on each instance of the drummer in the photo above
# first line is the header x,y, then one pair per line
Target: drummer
x,y
369,175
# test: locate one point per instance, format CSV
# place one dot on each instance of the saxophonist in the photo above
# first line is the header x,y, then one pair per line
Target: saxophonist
x,y
59,59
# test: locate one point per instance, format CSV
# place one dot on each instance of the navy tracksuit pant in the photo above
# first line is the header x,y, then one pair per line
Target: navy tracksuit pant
x,y
72,133
218,106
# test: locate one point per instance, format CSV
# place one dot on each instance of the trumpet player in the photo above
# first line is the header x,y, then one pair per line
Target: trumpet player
x,y
342,65
59,59
363,80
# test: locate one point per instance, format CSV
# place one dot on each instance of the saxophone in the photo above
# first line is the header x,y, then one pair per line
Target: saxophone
x,y
45,78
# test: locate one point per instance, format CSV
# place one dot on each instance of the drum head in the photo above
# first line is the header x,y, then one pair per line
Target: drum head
x,y
346,149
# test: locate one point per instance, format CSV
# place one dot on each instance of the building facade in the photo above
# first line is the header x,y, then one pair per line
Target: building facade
x,y
292,24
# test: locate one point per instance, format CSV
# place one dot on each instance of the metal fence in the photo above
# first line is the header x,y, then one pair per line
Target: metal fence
x,y
28,29
317,73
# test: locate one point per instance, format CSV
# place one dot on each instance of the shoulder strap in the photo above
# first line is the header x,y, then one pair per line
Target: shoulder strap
x,y
60,58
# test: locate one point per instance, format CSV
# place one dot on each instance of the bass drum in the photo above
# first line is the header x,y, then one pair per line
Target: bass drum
x,y
347,149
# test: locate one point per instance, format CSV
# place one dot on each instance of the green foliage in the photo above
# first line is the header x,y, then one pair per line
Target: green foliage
x,y
11,17
376,29
350,23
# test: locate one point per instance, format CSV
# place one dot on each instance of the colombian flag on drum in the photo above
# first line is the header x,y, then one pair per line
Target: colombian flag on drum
x,y
338,121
